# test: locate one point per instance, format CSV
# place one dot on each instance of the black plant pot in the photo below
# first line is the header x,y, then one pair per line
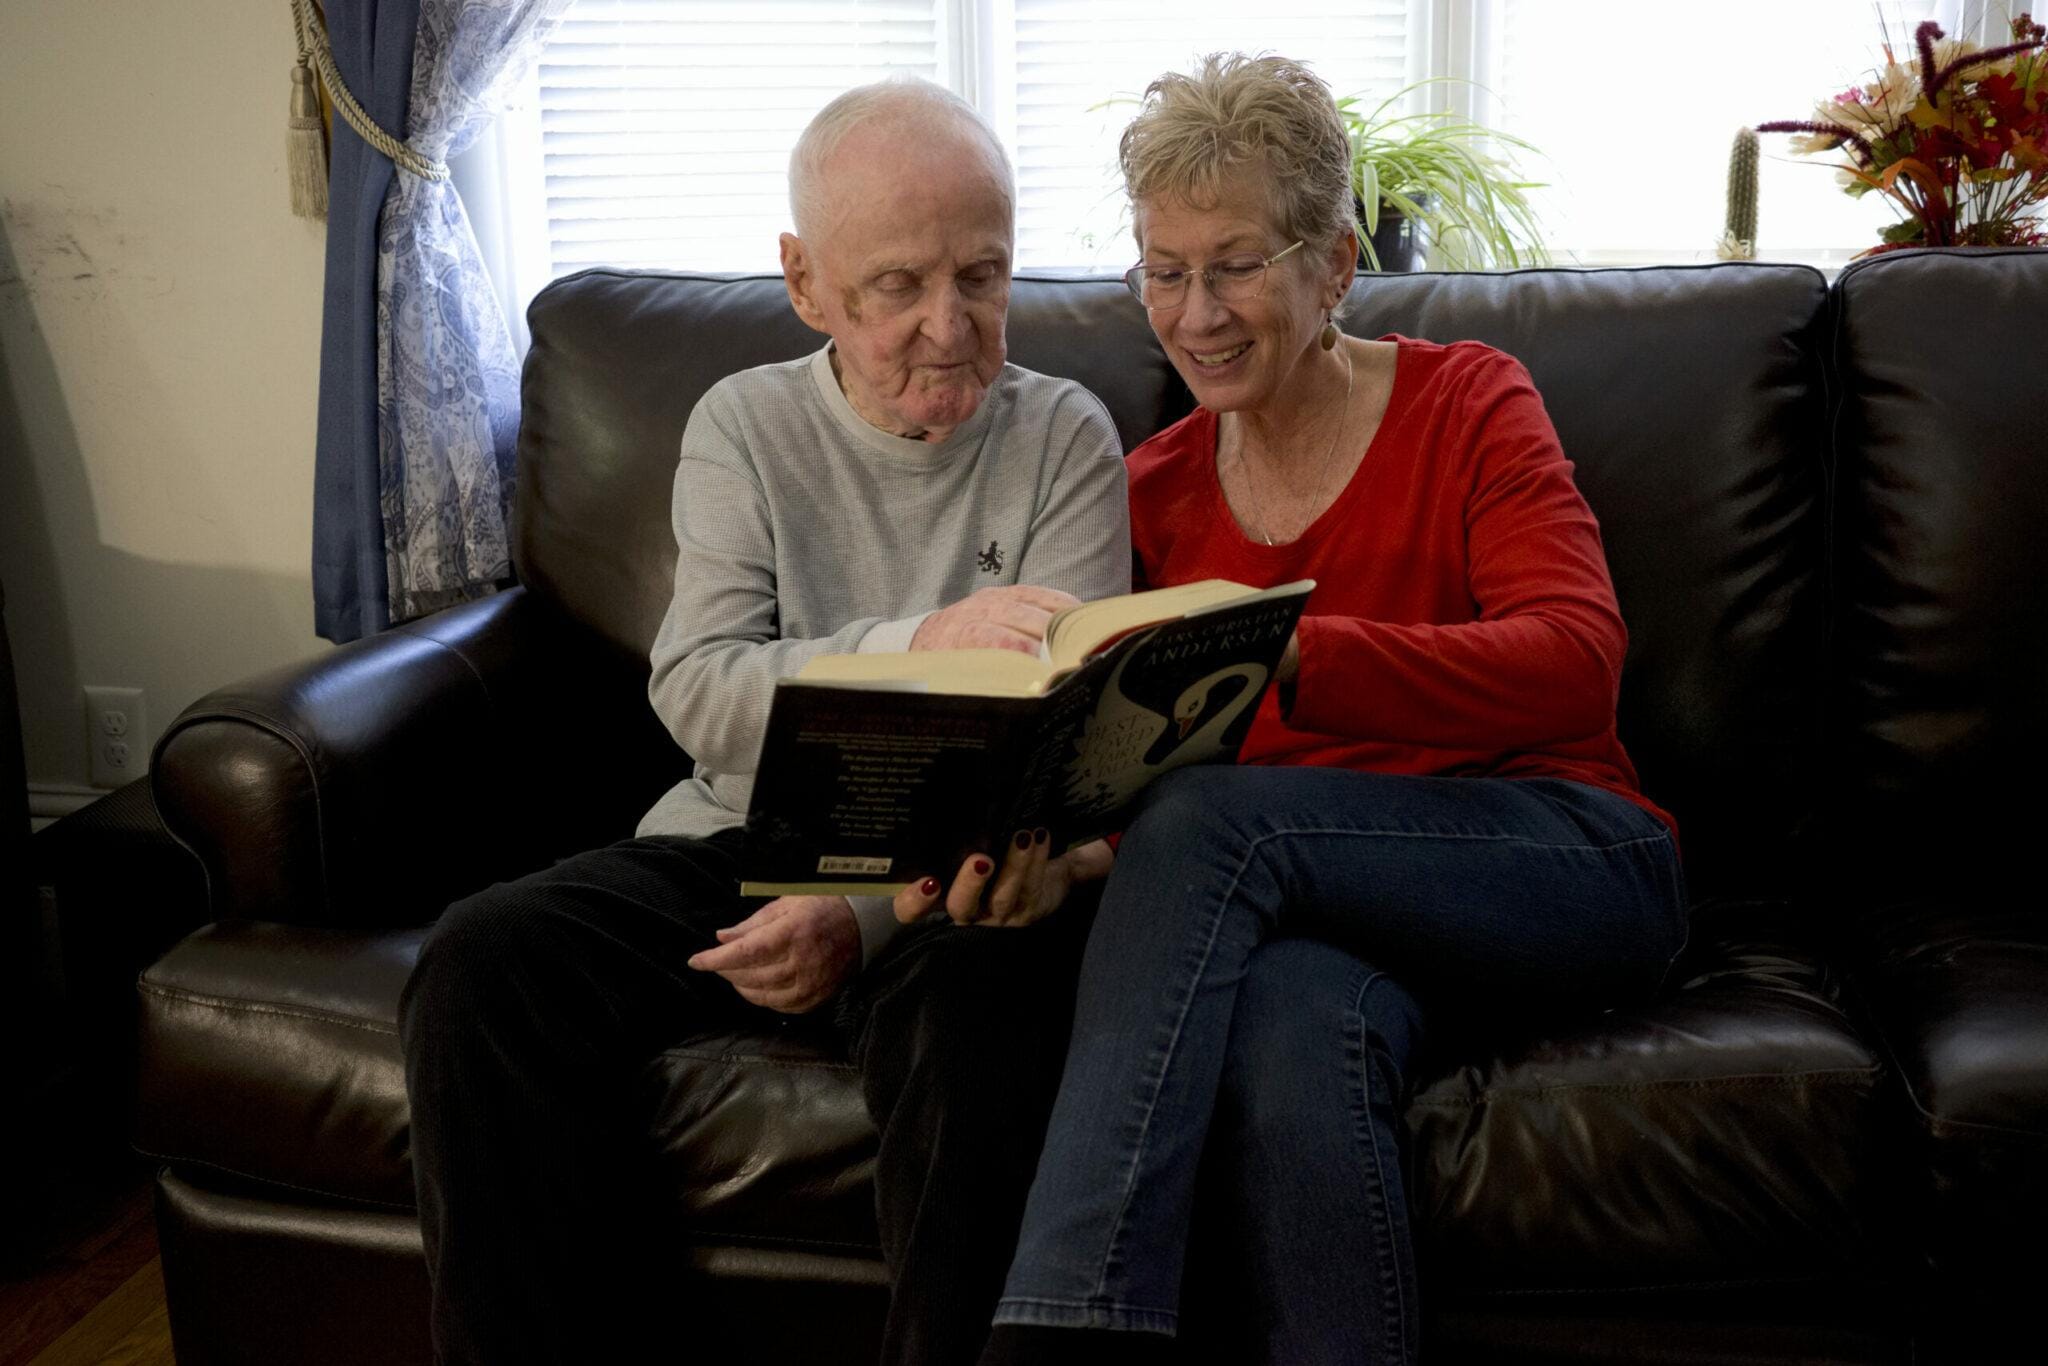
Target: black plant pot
x,y
1396,241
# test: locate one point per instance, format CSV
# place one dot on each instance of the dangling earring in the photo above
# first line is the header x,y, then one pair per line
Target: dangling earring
x,y
1330,335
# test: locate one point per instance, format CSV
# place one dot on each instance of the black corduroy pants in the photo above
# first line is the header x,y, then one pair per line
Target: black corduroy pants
x,y
530,1017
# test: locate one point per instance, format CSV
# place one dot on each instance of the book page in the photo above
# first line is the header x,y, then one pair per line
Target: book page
x,y
971,673
1077,632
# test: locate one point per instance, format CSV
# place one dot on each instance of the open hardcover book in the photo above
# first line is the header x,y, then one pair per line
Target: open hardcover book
x,y
879,770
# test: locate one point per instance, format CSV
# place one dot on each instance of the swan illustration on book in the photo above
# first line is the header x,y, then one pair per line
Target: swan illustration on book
x,y
1126,744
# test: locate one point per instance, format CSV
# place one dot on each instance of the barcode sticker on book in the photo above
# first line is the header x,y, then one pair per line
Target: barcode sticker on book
x,y
841,864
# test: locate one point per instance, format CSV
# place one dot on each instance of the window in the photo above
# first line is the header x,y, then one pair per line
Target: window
x,y
1635,104
664,126
1056,62
657,132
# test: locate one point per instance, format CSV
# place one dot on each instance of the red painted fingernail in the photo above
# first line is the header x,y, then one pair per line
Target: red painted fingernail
x,y
929,887
1023,839
982,867
1041,835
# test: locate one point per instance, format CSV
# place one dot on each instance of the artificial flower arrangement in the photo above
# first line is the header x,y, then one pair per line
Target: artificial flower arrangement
x,y
1957,140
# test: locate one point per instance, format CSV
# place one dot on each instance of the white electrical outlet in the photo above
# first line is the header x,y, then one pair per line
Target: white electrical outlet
x,y
116,734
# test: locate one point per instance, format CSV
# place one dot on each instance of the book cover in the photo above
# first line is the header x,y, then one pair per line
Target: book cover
x,y
879,770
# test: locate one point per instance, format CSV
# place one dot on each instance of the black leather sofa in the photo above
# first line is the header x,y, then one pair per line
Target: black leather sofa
x,y
1823,507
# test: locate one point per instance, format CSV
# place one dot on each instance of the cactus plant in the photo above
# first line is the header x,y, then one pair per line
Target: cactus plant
x,y
1738,239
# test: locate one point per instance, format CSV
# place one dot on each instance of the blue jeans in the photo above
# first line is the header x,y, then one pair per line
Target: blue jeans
x,y
1515,898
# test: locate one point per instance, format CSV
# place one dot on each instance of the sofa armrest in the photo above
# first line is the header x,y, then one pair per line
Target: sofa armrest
x,y
377,783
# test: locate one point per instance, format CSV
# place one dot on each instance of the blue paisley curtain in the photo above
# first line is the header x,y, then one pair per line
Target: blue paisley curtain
x,y
446,379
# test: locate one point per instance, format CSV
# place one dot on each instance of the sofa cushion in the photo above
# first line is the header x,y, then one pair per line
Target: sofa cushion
x,y
764,1139
1959,999
1727,1132
270,1052
1690,402
1942,645
1723,1133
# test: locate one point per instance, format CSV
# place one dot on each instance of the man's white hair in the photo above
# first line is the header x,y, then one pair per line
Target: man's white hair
x,y
915,101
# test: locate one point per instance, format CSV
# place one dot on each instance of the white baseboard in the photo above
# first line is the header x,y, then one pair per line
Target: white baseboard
x,y
49,801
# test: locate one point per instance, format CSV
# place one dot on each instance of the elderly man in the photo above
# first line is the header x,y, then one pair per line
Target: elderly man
x,y
902,488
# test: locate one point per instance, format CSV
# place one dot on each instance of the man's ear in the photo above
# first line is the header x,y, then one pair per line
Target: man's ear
x,y
800,278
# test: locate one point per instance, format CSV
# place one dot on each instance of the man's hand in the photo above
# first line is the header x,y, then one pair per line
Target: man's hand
x,y
1030,886
790,955
993,618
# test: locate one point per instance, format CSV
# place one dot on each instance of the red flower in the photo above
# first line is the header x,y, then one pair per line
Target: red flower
x,y
1967,164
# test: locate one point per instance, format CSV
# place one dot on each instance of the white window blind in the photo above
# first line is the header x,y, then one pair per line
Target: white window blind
x,y
659,130
1062,58
1635,104
666,125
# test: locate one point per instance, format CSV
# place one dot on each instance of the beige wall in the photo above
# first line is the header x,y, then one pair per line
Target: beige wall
x,y
159,350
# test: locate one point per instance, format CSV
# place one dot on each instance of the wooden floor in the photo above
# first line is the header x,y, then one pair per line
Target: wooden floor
x,y
98,1298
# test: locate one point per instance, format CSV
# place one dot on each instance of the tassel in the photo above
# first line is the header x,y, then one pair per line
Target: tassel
x,y
305,148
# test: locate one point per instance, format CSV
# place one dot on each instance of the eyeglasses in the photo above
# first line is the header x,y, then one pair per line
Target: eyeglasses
x,y
1232,279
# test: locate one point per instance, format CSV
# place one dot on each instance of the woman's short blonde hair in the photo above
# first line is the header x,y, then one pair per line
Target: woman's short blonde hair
x,y
1265,115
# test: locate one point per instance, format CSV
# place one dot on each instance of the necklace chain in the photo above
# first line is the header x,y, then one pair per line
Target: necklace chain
x,y
1323,484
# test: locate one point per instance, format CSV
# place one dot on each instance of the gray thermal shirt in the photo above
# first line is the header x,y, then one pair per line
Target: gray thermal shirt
x,y
803,530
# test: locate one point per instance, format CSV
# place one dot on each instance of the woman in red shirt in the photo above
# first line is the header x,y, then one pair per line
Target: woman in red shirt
x,y
1433,812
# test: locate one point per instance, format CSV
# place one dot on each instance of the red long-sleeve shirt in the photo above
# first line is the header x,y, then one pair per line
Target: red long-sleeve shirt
x,y
1463,622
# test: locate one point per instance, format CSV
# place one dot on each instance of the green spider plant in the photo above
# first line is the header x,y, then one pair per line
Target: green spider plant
x,y
1455,180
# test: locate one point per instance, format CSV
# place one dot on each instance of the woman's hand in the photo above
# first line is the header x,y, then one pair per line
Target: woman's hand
x,y
1030,886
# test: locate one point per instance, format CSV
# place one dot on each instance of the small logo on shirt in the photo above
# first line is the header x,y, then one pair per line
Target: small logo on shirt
x,y
991,559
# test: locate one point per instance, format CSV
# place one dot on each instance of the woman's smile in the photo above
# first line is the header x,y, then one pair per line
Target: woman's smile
x,y
1217,360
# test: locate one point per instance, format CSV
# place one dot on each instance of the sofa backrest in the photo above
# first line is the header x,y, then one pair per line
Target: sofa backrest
x,y
1940,699
1690,399
619,358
